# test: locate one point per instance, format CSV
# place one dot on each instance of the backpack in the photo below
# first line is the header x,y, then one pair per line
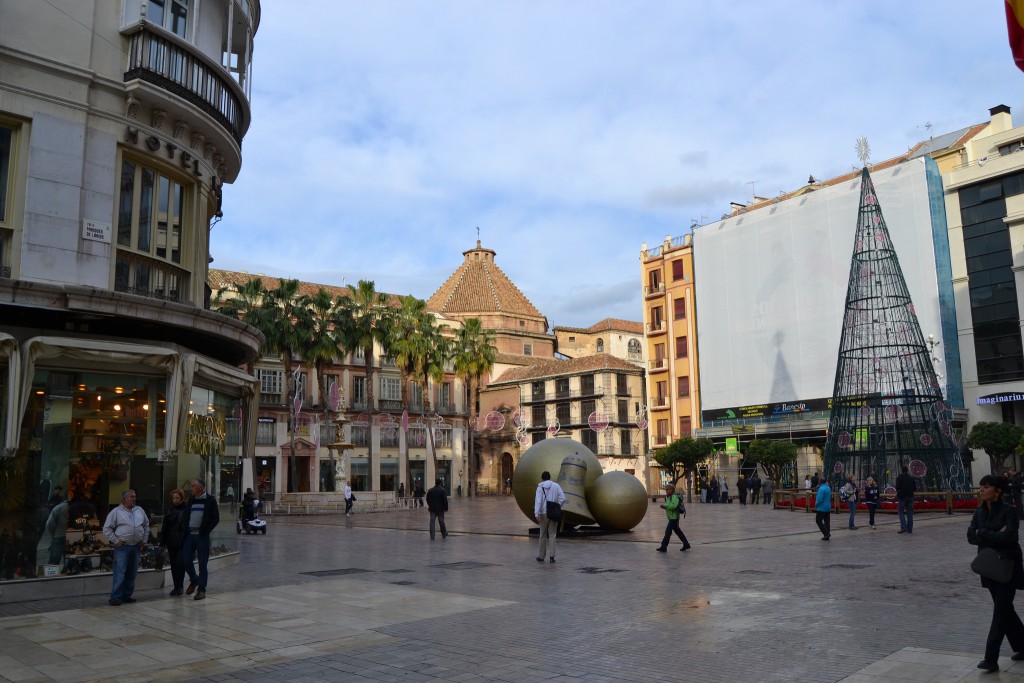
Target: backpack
x,y
846,493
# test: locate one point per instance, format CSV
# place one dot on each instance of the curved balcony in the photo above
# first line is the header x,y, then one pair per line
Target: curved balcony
x,y
164,61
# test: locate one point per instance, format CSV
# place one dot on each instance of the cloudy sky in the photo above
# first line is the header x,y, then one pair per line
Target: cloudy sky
x,y
572,132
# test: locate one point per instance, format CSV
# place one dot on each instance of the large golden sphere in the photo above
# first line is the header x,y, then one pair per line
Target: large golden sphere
x,y
548,456
617,500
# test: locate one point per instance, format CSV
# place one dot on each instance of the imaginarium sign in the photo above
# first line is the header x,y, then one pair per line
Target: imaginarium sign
x,y
206,435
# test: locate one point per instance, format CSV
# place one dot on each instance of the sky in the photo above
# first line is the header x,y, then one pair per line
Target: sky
x,y
384,134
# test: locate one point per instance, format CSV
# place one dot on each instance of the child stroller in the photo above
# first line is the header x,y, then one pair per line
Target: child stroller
x,y
249,521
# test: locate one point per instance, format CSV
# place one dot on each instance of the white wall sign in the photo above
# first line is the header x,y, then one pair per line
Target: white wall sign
x,y
94,230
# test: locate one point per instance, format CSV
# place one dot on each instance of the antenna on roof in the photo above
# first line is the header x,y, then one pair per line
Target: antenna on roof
x,y
753,188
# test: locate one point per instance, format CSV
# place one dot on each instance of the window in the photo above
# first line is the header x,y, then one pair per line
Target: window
x,y
562,386
572,338
654,278
360,436
415,396
684,426
681,350
151,229
270,381
656,318
527,349
266,431
6,141
622,385
625,443
588,437
538,437
683,387
661,393
538,391
537,417
445,399
587,408
662,432
359,393
442,438
563,414
390,389
600,345
679,306
586,385
170,14
677,270
623,409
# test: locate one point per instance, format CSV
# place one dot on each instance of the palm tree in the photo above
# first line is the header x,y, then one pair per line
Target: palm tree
x,y
246,302
402,333
322,346
288,323
474,357
364,320
432,350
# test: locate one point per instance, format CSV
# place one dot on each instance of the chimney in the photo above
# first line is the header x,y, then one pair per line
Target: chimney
x,y
1001,119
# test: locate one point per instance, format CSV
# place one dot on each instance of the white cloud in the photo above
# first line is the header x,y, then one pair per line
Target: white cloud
x,y
384,133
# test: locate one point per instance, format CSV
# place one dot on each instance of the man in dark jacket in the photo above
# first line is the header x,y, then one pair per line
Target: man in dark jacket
x,y
905,488
203,516
437,504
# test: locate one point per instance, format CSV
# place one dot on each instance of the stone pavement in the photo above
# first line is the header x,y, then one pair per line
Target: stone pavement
x,y
371,598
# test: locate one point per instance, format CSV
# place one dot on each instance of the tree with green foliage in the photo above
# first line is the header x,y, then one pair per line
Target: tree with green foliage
x,y
321,349
772,455
682,456
998,439
474,357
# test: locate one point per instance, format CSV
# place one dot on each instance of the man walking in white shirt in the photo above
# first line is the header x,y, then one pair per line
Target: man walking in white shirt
x,y
547,492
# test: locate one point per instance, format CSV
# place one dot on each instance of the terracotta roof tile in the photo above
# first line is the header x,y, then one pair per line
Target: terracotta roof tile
x,y
221,279
480,286
561,368
605,325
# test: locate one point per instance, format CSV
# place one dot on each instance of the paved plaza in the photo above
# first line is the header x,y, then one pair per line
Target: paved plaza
x,y
370,598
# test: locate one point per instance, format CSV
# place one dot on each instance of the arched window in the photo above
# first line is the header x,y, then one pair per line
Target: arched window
x,y
600,345
634,346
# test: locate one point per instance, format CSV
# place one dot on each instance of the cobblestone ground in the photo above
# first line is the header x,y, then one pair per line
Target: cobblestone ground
x,y
370,598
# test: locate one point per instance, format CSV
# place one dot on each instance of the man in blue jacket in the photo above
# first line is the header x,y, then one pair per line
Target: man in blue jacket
x,y
823,509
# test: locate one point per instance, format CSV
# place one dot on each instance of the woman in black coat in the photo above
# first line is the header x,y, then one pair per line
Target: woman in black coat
x,y
994,525
172,536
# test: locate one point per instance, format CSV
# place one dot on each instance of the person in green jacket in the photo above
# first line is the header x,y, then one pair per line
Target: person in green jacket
x,y
673,507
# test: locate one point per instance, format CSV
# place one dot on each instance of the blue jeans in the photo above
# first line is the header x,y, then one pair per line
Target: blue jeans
x,y
126,567
852,504
196,545
905,507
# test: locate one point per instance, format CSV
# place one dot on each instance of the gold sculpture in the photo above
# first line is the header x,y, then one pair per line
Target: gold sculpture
x,y
615,500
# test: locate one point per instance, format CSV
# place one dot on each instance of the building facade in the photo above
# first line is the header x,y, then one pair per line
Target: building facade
x,y
673,380
119,123
984,197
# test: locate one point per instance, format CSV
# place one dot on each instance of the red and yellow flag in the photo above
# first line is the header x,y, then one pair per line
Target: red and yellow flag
x,y
1015,27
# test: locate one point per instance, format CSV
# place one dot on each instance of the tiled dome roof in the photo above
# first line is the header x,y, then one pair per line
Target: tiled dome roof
x,y
480,286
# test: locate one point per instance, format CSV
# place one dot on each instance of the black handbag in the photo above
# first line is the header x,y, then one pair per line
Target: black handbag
x,y
991,565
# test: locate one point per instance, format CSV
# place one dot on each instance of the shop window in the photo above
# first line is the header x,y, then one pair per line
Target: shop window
x,y
170,14
152,229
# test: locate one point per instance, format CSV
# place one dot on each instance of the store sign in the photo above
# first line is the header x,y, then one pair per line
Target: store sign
x,y
186,159
94,230
206,435
1005,397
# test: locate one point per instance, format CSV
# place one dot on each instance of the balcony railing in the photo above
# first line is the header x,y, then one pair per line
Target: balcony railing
x,y
654,289
153,278
271,399
159,60
656,326
659,364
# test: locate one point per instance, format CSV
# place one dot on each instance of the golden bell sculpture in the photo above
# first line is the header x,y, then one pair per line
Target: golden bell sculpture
x,y
572,478
547,456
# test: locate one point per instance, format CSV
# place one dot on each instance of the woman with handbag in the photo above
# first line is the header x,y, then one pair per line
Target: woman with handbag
x,y
994,530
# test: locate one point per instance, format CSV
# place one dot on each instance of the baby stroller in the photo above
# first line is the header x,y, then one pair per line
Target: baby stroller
x,y
250,521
